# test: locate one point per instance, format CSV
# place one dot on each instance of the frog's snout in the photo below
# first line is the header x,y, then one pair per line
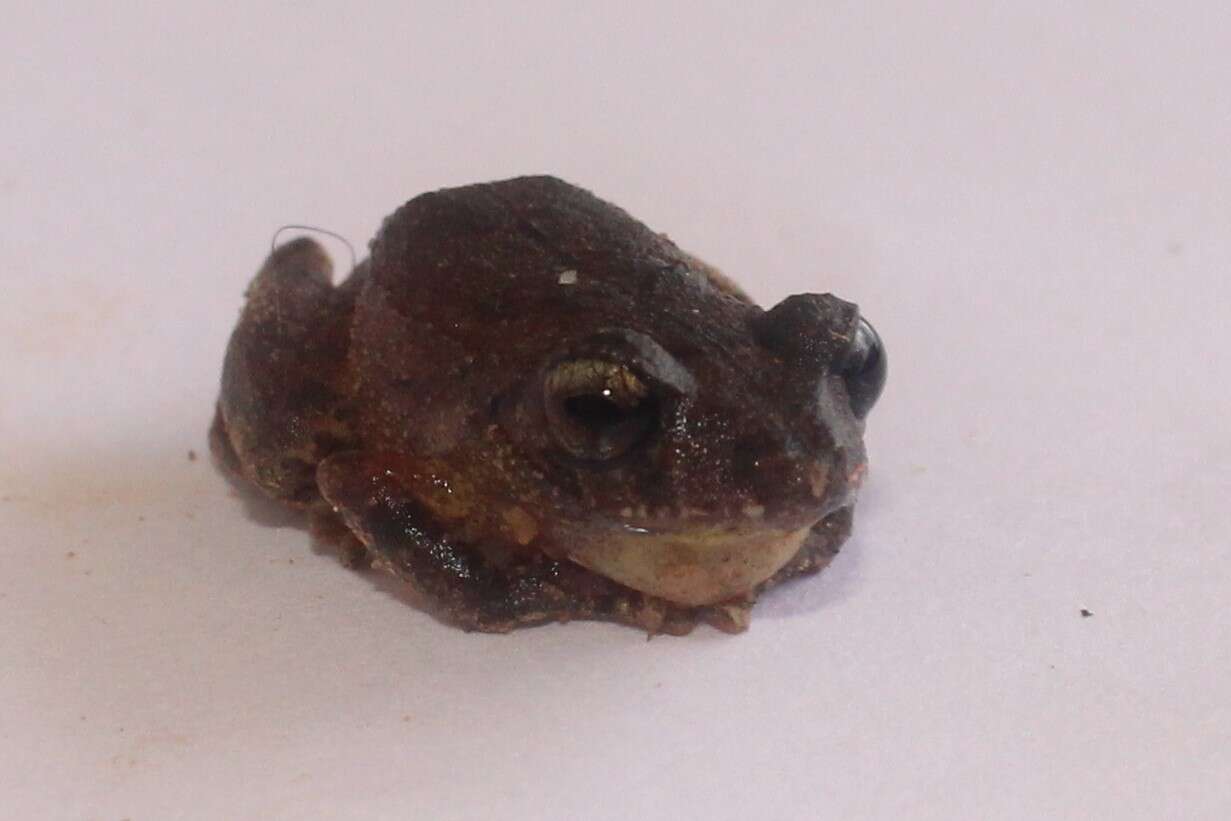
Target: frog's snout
x,y
787,483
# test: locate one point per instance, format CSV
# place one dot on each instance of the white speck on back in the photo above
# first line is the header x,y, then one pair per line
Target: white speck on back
x,y
568,277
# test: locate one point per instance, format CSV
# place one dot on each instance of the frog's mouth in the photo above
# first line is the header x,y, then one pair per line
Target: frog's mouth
x,y
693,567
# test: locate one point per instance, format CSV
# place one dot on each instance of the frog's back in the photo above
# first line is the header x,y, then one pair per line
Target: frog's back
x,y
475,285
468,292
528,246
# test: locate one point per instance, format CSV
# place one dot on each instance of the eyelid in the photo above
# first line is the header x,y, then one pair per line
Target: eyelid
x,y
577,377
640,355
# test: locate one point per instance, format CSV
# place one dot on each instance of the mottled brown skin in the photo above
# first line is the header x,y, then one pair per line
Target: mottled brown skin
x,y
406,408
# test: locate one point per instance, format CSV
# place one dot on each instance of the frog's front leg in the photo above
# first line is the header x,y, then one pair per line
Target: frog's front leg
x,y
282,405
483,586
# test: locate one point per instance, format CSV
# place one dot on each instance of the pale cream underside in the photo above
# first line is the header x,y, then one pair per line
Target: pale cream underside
x,y
703,567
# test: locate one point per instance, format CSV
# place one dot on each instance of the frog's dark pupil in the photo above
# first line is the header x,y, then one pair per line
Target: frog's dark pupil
x,y
596,411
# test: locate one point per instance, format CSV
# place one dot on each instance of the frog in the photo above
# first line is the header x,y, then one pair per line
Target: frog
x,y
532,408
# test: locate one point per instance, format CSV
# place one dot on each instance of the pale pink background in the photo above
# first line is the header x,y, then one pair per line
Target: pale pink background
x,y
1032,203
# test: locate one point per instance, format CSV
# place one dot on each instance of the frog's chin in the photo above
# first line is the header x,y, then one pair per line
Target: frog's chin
x,y
691,567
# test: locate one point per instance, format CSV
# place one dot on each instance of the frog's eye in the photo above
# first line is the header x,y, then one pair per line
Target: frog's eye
x,y
863,368
597,409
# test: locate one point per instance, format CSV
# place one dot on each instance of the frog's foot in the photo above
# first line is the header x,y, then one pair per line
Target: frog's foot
x,y
328,529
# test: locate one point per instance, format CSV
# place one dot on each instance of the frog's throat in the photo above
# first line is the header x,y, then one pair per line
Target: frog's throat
x,y
692,568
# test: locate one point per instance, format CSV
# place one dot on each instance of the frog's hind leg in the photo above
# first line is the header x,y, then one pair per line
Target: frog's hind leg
x,y
485,587
282,406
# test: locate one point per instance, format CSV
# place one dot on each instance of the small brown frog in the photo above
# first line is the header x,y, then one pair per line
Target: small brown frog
x,y
533,408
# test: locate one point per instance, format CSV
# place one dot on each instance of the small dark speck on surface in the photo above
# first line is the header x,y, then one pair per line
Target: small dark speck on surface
x,y
72,554
1175,248
192,456
1085,614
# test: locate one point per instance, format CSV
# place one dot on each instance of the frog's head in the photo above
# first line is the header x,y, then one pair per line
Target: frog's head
x,y
691,459
578,384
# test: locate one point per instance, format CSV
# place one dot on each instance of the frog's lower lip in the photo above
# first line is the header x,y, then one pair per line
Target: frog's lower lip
x,y
692,567
735,523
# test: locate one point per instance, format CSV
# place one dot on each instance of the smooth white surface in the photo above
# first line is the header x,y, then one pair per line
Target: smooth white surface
x,y
1030,202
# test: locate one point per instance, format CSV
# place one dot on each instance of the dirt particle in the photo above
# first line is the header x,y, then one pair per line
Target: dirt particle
x,y
72,554
192,456
1085,614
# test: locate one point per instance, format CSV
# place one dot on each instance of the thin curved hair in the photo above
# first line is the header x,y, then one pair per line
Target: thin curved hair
x,y
273,242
